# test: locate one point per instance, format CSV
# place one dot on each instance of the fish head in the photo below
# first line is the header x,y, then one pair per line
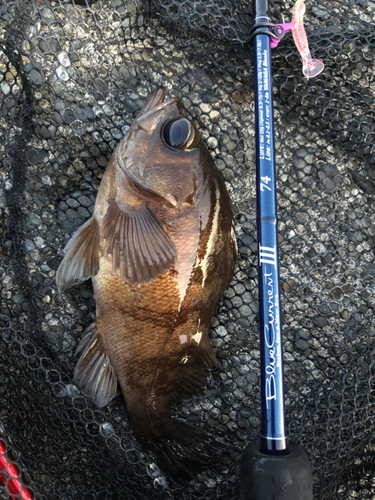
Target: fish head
x,y
163,151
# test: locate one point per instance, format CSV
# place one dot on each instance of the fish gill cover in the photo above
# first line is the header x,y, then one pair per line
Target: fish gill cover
x,y
73,75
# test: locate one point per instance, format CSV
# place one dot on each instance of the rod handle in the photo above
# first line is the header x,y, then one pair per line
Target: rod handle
x,y
268,477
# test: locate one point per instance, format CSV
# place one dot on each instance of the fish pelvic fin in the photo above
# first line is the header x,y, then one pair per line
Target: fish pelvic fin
x,y
183,450
140,248
81,259
94,374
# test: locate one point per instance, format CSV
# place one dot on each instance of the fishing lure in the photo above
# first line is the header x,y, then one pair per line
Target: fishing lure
x,y
311,67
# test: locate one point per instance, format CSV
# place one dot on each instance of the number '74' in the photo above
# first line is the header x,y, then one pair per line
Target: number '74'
x,y
263,184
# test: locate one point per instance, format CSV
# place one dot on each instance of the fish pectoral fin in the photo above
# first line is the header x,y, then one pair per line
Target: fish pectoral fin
x,y
81,259
93,373
141,249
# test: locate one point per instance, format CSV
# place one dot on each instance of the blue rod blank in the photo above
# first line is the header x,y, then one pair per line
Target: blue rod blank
x,y
273,433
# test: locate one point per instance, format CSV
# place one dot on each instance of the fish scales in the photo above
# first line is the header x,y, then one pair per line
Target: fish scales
x,y
160,249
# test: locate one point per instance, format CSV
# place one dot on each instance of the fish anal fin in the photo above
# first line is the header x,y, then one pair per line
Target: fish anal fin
x,y
81,259
140,248
94,374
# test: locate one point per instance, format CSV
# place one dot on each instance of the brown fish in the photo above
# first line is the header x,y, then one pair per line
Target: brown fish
x,y
160,249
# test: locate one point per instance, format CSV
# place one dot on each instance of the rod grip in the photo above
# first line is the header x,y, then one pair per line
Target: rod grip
x,y
267,477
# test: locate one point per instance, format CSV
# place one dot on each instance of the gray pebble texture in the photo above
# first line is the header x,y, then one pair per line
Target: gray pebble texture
x,y
73,75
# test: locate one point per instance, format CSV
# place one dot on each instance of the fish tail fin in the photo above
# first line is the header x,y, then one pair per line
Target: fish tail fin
x,y
183,450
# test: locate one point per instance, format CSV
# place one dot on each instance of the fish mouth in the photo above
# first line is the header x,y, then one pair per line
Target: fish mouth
x,y
152,115
155,110
154,100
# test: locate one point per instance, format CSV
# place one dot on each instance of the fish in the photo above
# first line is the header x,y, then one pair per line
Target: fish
x,y
160,249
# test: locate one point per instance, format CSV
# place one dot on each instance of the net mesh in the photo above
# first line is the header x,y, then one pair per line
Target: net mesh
x,y
73,75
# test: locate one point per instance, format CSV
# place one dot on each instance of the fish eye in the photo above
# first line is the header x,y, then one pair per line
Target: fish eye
x,y
180,133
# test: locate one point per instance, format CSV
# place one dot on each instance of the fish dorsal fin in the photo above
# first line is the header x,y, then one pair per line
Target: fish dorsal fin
x,y
81,259
93,373
193,371
191,383
141,249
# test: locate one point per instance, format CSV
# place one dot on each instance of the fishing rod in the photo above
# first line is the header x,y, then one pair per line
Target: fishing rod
x,y
271,469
